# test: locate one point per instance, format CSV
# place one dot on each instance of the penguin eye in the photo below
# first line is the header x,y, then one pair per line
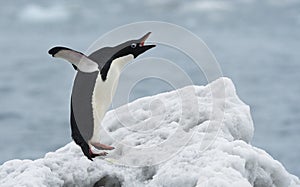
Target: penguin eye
x,y
133,45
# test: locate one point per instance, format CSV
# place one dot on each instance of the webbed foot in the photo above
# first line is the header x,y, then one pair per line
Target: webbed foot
x,y
102,146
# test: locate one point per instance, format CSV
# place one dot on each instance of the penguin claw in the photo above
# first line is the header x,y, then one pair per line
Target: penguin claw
x,y
93,155
103,154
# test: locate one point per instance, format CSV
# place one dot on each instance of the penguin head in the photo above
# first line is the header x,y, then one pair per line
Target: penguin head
x,y
137,46
123,54
134,47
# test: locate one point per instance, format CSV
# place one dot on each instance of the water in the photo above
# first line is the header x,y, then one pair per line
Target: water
x,y
255,42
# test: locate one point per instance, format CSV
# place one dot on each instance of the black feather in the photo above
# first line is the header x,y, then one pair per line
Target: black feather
x,y
78,139
74,67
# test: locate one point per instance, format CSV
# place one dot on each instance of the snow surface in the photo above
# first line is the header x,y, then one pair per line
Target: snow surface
x,y
194,136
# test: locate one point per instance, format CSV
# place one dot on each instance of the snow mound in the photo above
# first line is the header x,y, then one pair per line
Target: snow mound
x,y
194,136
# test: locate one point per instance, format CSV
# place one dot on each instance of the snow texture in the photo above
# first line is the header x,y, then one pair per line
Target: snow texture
x,y
194,136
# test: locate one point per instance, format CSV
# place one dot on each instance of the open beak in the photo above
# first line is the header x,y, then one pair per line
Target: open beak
x,y
144,38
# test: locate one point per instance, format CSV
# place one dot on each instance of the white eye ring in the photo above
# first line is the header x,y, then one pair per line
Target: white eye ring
x,y
133,45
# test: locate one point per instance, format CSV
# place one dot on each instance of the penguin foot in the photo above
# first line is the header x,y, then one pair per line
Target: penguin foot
x,y
102,146
93,155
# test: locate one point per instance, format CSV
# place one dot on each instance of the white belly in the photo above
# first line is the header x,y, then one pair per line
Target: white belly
x,y
104,92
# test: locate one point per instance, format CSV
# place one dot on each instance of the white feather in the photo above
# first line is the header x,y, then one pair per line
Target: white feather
x,y
104,92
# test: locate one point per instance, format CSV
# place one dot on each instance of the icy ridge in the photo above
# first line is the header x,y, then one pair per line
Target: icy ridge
x,y
194,136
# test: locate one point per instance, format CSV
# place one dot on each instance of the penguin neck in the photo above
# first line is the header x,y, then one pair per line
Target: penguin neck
x,y
115,65
119,63
114,72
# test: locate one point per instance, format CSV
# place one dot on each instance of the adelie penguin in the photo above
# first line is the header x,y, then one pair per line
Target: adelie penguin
x,y
94,87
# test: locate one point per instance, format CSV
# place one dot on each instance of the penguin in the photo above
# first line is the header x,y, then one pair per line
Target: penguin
x,y
93,89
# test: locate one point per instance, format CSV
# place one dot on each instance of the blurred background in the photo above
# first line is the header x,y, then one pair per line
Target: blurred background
x,y
256,42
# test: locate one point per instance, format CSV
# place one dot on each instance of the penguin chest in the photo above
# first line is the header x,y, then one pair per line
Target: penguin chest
x,y
103,95
101,100
104,92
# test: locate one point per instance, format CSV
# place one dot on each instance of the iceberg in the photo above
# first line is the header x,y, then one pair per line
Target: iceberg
x,y
194,136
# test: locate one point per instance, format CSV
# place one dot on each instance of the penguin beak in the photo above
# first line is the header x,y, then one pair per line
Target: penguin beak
x,y
141,47
143,39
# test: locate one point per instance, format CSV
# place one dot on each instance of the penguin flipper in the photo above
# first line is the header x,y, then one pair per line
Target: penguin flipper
x,y
78,59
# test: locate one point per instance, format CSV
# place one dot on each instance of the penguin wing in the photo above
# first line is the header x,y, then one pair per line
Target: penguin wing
x,y
77,59
81,103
